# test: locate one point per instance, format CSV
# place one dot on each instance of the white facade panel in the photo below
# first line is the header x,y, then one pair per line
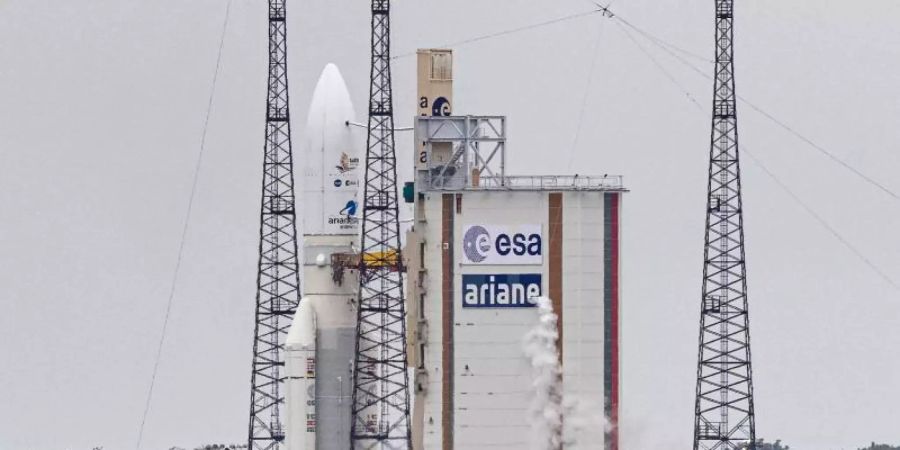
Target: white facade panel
x,y
583,313
480,421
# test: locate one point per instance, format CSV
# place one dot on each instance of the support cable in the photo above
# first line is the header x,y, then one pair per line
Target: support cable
x,y
823,151
662,42
666,47
508,32
859,254
781,184
674,51
366,126
184,231
595,51
659,66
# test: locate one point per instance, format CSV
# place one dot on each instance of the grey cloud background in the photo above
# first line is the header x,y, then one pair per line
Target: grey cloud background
x,y
101,108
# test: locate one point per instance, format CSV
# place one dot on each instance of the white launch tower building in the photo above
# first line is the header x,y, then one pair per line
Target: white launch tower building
x,y
485,244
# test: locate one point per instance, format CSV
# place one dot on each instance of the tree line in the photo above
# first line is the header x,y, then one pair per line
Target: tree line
x,y
778,445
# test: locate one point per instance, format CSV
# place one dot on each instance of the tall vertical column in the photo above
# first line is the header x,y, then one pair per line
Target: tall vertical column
x,y
380,417
724,398
278,279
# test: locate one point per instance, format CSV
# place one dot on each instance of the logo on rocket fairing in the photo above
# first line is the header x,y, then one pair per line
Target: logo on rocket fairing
x,y
346,163
477,243
350,209
346,218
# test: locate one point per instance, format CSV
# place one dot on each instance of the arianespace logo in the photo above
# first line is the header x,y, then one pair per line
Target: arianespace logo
x,y
346,218
493,244
501,291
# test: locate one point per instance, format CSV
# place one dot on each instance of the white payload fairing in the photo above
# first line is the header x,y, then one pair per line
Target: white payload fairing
x,y
331,177
331,155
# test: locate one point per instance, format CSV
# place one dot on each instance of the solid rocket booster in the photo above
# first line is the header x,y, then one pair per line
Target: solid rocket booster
x,y
331,174
300,368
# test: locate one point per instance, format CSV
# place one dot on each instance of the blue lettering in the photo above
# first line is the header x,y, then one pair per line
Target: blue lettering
x,y
534,244
519,244
502,244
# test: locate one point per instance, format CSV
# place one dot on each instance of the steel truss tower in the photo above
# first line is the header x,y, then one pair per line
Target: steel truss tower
x,y
278,279
380,381
724,407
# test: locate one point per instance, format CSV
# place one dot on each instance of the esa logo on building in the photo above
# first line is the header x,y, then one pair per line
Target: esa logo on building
x,y
501,291
501,244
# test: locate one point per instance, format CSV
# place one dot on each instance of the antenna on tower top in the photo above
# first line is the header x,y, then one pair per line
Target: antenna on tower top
x,y
724,417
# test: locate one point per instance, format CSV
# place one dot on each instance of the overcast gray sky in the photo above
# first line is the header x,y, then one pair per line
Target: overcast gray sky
x,y
102,104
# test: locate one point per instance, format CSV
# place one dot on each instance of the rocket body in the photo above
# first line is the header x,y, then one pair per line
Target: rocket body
x,y
332,172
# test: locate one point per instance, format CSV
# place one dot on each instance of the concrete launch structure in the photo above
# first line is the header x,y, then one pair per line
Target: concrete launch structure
x,y
483,246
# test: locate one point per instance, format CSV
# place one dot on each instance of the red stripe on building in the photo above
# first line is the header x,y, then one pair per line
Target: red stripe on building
x,y
614,241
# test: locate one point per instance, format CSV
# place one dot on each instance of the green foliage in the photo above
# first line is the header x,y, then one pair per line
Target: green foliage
x,y
761,444
222,447
875,446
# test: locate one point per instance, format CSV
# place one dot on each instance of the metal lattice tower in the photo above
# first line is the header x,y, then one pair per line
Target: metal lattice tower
x,y
724,409
278,280
380,381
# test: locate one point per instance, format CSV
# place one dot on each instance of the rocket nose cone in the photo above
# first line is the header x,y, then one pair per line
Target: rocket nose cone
x,y
302,332
332,71
330,100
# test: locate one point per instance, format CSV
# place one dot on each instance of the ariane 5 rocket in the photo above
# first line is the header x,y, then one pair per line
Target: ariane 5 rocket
x,y
325,322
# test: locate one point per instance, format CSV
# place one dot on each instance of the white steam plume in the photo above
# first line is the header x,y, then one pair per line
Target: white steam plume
x,y
545,413
548,407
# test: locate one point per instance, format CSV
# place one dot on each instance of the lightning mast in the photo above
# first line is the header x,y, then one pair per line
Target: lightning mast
x,y
380,409
724,403
278,279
